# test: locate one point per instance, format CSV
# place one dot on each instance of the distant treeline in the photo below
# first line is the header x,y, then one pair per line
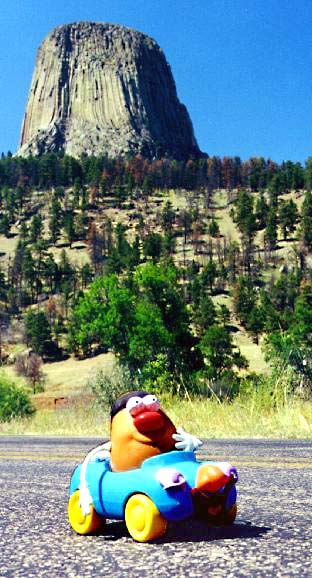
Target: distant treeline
x,y
53,170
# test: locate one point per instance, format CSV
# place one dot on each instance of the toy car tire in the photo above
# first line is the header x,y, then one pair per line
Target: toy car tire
x,y
143,520
81,523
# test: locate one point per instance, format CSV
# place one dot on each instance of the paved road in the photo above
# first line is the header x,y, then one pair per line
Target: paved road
x,y
270,537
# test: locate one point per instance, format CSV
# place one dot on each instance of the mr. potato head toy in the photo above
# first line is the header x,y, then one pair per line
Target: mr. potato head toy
x,y
140,429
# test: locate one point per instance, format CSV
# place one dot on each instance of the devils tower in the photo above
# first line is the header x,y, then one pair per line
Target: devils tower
x,y
104,89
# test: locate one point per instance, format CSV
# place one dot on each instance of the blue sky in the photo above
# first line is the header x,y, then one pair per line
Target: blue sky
x,y
242,67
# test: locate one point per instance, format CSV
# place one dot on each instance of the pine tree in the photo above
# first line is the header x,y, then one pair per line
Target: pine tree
x,y
152,246
261,211
288,215
245,217
306,218
271,228
38,332
36,228
69,228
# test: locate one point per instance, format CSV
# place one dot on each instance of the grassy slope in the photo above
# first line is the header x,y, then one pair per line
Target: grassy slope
x,y
78,254
69,378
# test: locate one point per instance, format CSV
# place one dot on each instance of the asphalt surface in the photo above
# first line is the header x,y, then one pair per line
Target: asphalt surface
x,y
271,536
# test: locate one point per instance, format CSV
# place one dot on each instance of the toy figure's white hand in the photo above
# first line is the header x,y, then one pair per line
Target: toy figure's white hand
x,y
186,441
85,499
101,452
102,455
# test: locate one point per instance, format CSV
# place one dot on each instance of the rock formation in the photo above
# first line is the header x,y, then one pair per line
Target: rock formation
x,y
104,89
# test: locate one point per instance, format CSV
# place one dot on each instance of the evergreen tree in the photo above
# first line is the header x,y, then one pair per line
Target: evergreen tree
x,y
50,273
306,218
261,211
95,242
224,314
69,228
245,217
276,187
213,228
29,271
271,228
77,193
36,228
38,333
209,275
186,219
4,225
169,243
167,217
152,246
302,320
220,355
288,215
308,174
3,287
245,298
55,223
135,255
23,232
204,314
86,275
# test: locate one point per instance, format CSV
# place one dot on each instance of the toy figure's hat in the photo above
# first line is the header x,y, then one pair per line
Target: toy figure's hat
x,y
121,402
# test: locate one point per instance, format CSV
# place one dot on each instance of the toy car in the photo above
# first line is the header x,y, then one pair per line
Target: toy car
x,y
168,487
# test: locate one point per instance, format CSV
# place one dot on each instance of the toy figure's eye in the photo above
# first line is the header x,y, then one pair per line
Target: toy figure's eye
x,y
151,402
134,405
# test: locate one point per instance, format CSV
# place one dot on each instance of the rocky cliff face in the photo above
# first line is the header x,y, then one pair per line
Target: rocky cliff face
x,y
103,88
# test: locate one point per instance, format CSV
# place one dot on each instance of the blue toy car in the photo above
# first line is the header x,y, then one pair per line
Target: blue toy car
x,y
168,487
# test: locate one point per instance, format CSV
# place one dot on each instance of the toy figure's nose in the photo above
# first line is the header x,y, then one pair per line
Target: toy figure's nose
x,y
148,421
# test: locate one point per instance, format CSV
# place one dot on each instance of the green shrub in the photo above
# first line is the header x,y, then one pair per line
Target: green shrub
x,y
156,376
110,382
14,401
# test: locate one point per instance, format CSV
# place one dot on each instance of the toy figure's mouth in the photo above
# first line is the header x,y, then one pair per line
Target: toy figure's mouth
x,y
149,422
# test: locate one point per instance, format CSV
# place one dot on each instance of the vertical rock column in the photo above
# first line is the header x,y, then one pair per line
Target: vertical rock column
x,y
104,89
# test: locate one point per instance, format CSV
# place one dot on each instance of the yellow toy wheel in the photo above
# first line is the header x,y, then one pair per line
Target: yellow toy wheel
x,y
81,523
143,519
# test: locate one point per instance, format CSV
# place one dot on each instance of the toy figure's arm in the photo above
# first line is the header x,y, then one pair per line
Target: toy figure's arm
x,y
186,441
101,452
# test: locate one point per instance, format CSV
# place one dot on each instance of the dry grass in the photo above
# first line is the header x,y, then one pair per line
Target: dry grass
x,y
7,247
76,255
69,377
207,419
244,419
252,351
83,420
227,226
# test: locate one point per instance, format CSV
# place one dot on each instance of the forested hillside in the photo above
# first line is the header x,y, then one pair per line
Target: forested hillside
x,y
161,262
